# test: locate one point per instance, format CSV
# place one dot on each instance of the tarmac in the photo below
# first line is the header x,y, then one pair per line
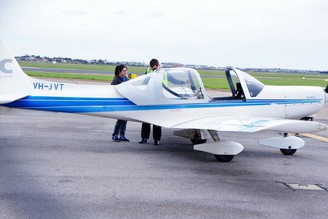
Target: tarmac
x,y
56,165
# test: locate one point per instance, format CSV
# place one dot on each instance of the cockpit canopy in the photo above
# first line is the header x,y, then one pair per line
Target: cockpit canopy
x,y
166,86
242,85
184,85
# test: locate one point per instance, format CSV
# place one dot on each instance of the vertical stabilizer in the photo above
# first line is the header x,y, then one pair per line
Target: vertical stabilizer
x,y
13,81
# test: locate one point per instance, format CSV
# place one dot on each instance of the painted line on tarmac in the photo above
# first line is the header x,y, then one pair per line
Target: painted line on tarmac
x,y
315,137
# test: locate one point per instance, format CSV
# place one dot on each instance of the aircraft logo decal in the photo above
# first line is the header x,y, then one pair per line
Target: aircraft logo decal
x,y
4,66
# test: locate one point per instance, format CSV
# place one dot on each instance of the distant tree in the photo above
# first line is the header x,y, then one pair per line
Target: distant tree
x,y
101,62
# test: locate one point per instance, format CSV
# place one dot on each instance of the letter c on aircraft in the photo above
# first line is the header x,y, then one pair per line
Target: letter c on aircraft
x,y
3,66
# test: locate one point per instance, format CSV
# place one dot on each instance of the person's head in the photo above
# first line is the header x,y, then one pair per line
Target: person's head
x,y
116,70
154,64
121,70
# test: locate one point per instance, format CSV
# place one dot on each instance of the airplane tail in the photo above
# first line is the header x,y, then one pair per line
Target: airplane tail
x,y
13,81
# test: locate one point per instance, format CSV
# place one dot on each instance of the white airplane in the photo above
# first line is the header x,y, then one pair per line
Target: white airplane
x,y
180,102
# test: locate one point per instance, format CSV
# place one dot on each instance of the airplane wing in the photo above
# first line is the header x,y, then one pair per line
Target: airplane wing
x,y
251,124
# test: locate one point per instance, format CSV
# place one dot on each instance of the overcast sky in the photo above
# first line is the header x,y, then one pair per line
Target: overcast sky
x,y
254,33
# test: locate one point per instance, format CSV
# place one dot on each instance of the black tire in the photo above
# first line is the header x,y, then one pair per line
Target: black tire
x,y
197,139
288,151
224,158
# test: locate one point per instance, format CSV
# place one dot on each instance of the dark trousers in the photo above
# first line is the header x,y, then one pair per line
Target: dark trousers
x,y
145,131
120,127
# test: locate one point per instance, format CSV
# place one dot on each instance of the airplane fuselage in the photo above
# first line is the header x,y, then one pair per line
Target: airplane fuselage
x,y
106,101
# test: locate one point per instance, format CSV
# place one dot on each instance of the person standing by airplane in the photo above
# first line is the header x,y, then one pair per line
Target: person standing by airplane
x,y
120,126
145,128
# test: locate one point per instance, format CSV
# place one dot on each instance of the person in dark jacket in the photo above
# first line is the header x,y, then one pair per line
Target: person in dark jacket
x,y
120,126
145,128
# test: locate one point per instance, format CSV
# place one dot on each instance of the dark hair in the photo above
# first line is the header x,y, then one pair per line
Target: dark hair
x,y
119,68
153,62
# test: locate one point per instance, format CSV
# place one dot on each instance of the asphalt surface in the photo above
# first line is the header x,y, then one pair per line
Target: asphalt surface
x,y
55,165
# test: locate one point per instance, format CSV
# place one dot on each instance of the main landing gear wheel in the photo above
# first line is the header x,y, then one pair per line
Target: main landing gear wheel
x,y
288,151
197,139
224,158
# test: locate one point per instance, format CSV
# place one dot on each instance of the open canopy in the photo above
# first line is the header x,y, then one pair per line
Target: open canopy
x,y
184,85
166,86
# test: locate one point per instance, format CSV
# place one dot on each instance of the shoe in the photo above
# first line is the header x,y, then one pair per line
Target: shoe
x,y
156,142
123,138
143,141
116,138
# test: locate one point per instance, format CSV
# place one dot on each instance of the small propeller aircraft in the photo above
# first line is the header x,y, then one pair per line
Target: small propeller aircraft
x,y
181,104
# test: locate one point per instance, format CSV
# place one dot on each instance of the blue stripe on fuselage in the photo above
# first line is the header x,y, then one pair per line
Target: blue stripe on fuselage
x,y
89,105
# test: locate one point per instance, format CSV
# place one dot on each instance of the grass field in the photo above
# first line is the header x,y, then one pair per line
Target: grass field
x,y
214,83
